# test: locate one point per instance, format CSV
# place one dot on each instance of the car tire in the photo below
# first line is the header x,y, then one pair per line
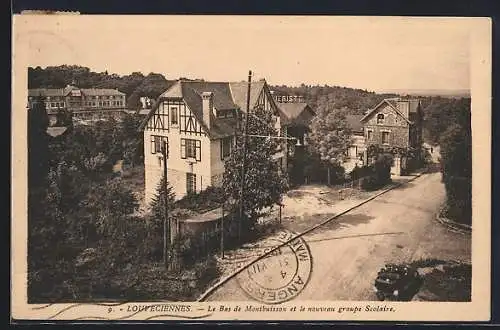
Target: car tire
x,y
380,296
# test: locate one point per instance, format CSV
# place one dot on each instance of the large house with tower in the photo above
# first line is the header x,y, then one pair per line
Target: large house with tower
x,y
198,121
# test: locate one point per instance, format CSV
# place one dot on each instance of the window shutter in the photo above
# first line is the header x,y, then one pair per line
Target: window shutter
x,y
183,148
153,150
222,149
198,150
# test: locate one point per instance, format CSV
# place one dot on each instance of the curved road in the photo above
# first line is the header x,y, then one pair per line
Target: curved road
x,y
347,252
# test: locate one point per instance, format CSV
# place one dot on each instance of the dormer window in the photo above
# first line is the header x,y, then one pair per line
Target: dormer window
x,y
225,113
380,118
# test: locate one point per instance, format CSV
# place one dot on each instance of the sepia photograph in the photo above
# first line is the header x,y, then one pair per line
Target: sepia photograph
x,y
250,167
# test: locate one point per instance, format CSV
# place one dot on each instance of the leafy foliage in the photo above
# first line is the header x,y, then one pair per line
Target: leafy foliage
x,y
315,170
264,183
440,113
38,143
456,164
85,240
375,175
330,134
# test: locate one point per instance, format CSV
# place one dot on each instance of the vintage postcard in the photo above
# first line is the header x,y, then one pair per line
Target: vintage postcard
x,y
196,168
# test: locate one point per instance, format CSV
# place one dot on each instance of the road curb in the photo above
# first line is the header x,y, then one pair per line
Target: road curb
x,y
452,225
215,286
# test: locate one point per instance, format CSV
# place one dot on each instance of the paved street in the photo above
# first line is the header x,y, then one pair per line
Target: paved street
x,y
398,226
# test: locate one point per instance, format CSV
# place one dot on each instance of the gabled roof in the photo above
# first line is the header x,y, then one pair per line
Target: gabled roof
x,y
391,103
192,90
226,96
354,122
294,112
239,93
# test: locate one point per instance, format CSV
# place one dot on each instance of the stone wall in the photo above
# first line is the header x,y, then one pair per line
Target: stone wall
x,y
398,135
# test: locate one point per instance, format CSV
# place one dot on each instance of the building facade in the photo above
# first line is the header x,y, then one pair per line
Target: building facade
x,y
296,117
82,103
356,152
198,121
396,123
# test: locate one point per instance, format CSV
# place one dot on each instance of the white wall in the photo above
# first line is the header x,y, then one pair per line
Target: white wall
x,y
177,167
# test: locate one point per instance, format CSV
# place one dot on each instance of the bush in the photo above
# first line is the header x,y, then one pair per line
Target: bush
x,y
360,172
459,198
155,283
376,175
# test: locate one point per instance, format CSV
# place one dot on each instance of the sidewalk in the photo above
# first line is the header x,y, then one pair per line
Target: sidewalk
x,y
302,209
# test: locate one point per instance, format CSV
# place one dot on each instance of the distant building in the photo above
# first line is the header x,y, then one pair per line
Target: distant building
x,y
296,118
395,123
82,103
198,120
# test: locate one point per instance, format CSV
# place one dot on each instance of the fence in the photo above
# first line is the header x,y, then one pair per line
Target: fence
x,y
347,189
209,233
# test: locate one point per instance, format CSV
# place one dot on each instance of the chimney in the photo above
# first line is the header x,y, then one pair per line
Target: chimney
x,y
404,107
207,102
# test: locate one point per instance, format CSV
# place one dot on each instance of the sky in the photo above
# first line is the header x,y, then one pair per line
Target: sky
x,y
374,53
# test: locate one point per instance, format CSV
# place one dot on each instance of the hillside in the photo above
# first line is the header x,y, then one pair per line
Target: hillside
x,y
450,93
134,85
438,110
357,101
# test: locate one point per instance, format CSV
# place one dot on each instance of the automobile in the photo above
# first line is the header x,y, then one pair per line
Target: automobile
x,y
395,282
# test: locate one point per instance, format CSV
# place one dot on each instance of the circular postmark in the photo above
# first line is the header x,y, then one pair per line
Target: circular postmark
x,y
281,274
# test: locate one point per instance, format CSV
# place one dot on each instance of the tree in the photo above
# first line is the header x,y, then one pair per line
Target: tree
x,y
456,164
38,143
63,118
157,217
132,139
264,182
157,206
330,135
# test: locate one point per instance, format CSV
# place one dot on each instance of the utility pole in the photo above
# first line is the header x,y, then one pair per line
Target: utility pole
x,y
222,233
243,165
164,151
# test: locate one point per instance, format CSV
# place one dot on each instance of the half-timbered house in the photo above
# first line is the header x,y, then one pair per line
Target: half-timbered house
x,y
198,121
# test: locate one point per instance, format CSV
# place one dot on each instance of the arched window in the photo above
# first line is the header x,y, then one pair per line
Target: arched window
x,y
380,118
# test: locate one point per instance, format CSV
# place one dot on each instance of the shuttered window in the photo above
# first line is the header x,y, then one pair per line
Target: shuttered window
x,y
157,142
190,183
191,148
